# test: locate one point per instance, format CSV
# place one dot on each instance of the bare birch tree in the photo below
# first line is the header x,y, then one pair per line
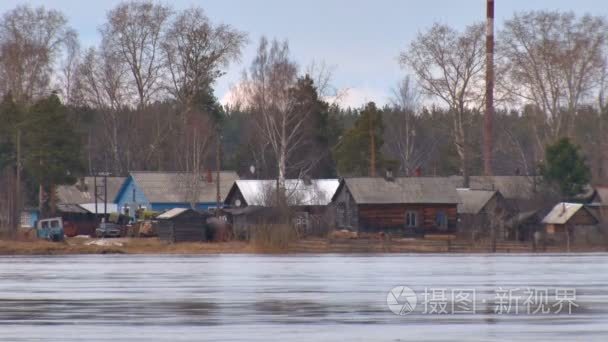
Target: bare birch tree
x,y
554,61
268,91
100,83
133,32
401,133
449,65
197,53
31,40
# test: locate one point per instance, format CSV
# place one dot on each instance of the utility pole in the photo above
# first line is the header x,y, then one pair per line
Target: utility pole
x,y
489,115
372,142
218,160
105,194
17,208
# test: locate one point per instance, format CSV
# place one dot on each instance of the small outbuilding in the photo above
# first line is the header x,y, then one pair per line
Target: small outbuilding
x,y
482,213
244,220
183,225
571,222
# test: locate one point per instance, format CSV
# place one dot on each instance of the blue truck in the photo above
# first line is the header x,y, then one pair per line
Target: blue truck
x,y
50,229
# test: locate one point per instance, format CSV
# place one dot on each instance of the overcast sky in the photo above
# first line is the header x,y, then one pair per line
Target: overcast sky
x,y
360,38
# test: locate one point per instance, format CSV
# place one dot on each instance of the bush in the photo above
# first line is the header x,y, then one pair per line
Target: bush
x,y
273,237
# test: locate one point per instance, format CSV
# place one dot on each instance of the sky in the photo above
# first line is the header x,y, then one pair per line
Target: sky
x,y
360,39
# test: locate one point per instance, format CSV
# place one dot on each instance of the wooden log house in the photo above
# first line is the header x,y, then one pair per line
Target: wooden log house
x,y
405,205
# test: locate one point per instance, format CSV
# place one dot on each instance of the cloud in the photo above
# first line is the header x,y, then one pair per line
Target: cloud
x,y
353,97
356,97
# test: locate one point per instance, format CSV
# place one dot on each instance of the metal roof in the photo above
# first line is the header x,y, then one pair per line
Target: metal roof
x,y
90,207
561,213
298,191
71,208
473,201
180,187
422,190
83,191
169,214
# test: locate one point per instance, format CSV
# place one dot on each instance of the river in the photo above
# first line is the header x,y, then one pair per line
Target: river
x,y
304,298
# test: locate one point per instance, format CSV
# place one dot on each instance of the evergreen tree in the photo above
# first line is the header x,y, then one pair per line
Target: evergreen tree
x,y
565,168
320,132
358,152
51,148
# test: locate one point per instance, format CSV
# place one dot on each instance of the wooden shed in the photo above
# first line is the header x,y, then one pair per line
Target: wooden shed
x,y
572,223
405,205
183,225
482,213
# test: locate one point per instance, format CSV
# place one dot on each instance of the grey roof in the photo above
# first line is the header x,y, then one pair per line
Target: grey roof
x,y
298,192
179,187
602,194
84,190
510,187
473,201
421,190
562,212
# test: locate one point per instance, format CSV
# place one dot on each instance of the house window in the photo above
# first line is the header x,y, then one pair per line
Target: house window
x,y
411,219
133,195
441,220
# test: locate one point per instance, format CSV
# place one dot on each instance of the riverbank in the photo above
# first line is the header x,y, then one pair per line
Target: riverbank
x,y
81,245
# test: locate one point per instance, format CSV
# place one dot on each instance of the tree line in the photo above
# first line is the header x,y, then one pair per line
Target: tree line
x,y
143,99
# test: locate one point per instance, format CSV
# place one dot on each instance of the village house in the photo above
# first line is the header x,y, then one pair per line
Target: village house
x,y
76,203
482,214
404,205
308,199
162,191
572,223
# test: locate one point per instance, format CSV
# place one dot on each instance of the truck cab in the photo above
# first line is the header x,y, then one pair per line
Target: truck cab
x,y
50,229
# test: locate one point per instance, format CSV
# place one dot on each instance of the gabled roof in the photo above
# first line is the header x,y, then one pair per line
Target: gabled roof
x,y
182,187
414,190
602,194
175,212
171,213
87,208
298,192
84,190
473,201
562,212
510,187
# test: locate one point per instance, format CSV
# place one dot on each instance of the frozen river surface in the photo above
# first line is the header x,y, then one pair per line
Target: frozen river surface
x,y
304,298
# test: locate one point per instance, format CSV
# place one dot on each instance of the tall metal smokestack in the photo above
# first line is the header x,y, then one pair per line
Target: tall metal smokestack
x,y
489,116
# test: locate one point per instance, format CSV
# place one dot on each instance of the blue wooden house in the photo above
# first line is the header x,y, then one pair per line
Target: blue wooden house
x,y
161,191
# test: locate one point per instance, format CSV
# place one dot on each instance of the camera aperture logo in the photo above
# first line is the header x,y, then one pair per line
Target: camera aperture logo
x,y
401,300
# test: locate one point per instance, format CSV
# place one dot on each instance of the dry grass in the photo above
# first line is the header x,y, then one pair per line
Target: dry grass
x,y
273,238
265,242
126,246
